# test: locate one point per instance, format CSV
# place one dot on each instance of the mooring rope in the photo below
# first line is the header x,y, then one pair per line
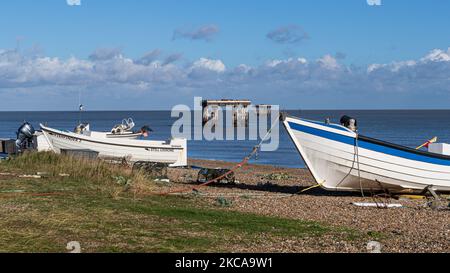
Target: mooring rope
x,y
355,160
236,167
359,170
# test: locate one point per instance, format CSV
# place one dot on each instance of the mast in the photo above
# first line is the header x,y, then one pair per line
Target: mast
x,y
80,107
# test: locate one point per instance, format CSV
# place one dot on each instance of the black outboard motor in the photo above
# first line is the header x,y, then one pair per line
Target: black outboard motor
x,y
145,130
25,135
349,122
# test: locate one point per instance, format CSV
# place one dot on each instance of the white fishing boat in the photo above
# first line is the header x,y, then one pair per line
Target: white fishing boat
x,y
341,159
173,152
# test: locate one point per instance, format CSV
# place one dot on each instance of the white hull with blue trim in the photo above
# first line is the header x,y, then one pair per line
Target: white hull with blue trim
x,y
339,159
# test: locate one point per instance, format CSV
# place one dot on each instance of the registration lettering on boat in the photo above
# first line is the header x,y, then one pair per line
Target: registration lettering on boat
x,y
159,149
66,137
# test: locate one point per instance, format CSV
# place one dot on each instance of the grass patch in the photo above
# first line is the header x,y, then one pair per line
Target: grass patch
x,y
89,212
94,174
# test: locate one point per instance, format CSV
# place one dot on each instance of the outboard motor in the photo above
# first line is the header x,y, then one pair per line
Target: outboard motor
x,y
349,122
145,130
25,135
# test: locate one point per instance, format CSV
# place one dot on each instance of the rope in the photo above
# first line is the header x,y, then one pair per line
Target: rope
x,y
359,170
374,196
312,187
428,142
236,167
355,159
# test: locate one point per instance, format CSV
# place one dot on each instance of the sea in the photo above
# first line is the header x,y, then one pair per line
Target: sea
x,y
405,127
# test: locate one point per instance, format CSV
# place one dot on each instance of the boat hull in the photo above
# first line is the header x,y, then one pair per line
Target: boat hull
x,y
174,152
340,160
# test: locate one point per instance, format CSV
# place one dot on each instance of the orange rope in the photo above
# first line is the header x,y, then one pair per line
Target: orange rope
x,y
242,163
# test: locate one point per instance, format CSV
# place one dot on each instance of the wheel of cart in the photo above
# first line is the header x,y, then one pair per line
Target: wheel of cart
x,y
206,174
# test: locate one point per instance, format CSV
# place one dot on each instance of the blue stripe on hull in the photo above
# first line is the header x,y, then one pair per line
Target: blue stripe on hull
x,y
368,145
334,126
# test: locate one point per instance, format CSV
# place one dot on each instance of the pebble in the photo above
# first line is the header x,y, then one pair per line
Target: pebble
x,y
413,228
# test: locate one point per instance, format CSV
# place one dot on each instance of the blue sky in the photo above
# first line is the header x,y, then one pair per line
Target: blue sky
x,y
154,54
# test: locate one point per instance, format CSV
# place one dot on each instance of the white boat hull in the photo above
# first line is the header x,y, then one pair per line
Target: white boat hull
x,y
174,152
339,160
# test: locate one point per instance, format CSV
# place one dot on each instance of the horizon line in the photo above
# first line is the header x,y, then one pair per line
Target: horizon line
x,y
308,109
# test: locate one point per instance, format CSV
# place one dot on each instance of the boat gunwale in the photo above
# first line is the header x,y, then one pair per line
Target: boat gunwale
x,y
401,147
384,143
111,135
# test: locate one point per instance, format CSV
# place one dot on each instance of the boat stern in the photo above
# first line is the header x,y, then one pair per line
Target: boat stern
x,y
182,157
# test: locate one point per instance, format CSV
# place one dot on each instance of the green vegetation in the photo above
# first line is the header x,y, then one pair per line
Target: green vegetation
x,y
109,209
223,202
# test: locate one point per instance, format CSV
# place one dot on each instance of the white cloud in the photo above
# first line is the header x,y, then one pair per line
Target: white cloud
x,y
373,67
374,2
393,67
273,63
328,62
243,68
302,60
209,64
74,2
437,55
292,61
326,77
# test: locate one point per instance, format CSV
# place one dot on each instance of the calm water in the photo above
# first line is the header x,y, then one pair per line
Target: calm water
x,y
406,127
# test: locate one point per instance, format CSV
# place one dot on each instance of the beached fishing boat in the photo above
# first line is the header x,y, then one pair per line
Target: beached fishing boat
x,y
173,151
341,159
